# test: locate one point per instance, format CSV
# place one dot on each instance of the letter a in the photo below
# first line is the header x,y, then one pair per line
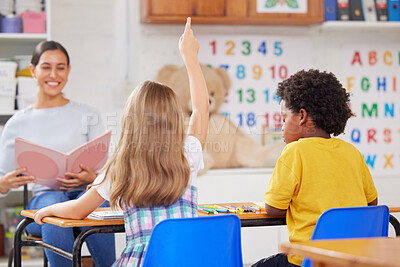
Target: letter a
x,y
356,58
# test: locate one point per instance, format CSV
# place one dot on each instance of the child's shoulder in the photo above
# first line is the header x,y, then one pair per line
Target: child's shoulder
x,y
306,144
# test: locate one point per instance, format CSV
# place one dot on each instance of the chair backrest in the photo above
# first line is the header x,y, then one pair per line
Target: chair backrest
x,y
200,241
351,222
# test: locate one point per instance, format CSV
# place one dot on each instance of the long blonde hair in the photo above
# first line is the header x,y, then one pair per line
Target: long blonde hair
x,y
148,166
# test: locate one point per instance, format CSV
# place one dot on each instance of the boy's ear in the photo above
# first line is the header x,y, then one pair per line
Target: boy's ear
x,y
303,115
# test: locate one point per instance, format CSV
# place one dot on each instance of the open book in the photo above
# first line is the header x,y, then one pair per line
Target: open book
x,y
107,214
46,164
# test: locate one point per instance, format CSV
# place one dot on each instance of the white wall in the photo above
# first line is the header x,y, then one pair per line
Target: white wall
x,y
94,32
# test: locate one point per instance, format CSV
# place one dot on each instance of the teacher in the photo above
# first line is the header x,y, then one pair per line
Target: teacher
x,y
61,124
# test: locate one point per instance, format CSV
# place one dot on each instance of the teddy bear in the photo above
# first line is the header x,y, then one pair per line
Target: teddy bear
x,y
226,145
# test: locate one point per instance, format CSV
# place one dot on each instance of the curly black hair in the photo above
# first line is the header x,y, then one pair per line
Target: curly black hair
x,y
321,95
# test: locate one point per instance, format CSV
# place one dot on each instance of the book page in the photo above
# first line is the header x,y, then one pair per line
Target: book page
x,y
41,162
46,164
93,154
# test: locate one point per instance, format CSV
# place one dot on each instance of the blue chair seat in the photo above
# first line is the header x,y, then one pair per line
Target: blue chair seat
x,y
351,222
200,241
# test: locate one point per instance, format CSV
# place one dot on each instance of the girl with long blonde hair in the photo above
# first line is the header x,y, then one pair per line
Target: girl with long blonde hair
x,y
152,173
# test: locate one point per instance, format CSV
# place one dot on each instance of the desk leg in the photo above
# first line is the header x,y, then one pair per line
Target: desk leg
x,y
18,240
80,239
395,223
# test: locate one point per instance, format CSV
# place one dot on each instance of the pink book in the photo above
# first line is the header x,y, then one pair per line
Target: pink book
x,y
46,164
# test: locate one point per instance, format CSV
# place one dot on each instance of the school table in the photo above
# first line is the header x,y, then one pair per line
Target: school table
x,y
366,252
248,219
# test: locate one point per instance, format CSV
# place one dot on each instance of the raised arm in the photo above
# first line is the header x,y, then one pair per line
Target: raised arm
x,y
189,47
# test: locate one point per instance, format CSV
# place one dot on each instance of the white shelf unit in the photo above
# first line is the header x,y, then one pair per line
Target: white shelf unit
x,y
12,44
17,43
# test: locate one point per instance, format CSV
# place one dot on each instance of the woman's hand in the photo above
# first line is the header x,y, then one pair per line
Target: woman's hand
x,y
72,180
40,214
188,44
15,179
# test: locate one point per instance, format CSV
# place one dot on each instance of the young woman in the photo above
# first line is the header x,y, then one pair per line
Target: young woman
x,y
61,124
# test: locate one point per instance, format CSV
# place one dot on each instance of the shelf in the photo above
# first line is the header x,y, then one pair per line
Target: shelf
x,y
383,25
23,36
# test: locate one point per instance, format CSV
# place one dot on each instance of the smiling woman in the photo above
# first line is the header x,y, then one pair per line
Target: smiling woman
x,y
60,124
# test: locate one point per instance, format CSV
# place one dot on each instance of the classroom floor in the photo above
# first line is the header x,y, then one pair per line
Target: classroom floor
x,y
27,263
38,262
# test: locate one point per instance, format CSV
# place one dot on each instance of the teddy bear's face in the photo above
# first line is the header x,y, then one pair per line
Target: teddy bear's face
x,y
216,89
217,81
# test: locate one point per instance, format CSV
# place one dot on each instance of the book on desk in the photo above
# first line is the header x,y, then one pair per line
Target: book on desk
x,y
107,214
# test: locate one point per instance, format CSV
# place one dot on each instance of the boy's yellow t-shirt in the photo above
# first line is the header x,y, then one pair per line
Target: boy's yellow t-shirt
x,y
313,175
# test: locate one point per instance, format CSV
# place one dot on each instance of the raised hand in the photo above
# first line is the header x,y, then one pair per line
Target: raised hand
x,y
188,44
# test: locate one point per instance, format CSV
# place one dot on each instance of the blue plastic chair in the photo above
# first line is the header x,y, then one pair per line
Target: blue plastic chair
x,y
353,222
200,241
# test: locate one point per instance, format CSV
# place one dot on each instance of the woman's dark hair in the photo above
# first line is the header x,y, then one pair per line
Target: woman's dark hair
x,y
45,46
321,95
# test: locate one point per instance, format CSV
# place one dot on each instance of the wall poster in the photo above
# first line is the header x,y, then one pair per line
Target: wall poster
x,y
255,64
281,6
371,73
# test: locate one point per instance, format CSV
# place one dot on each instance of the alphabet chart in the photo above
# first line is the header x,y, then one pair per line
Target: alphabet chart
x,y
372,76
255,65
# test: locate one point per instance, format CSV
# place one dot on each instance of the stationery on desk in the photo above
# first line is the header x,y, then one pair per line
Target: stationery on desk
x,y
46,164
255,207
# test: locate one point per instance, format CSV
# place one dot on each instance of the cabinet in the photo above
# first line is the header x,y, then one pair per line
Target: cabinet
x,y
228,12
12,44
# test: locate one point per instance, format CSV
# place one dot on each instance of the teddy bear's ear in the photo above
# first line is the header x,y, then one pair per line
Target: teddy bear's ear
x,y
164,75
225,78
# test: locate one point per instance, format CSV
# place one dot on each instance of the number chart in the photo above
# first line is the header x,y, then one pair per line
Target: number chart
x,y
255,65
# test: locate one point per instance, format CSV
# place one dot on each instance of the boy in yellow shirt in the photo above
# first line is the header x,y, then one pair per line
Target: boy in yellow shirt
x,y
315,171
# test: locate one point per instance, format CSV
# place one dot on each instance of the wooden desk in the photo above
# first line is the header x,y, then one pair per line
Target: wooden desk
x,y
362,252
248,219
94,227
